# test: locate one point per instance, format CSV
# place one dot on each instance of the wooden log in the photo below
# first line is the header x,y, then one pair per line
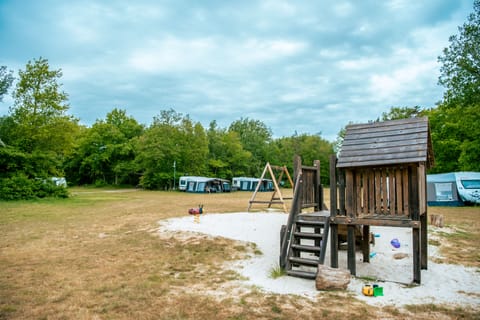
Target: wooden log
x,y
331,278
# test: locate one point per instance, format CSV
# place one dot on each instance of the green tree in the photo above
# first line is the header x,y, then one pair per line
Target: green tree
x,y
396,113
171,139
310,148
227,157
460,62
454,123
106,153
256,138
6,79
38,135
39,112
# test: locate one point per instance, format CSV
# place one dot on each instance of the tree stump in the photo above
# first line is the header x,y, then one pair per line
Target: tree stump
x,y
436,220
331,278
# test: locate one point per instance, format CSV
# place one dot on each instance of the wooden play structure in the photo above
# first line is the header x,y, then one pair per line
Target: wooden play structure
x,y
381,178
303,240
277,197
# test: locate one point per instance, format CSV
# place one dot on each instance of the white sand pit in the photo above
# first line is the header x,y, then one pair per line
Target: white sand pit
x,y
441,283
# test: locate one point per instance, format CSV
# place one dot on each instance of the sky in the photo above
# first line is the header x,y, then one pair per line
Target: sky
x,y
300,67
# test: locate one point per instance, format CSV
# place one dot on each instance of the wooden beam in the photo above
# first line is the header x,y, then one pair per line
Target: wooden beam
x,y
381,221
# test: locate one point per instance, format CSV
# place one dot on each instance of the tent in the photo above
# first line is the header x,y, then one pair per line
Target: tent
x,y
249,184
203,184
453,189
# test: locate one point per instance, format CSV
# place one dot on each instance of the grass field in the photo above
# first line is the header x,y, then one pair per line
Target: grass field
x,y
97,255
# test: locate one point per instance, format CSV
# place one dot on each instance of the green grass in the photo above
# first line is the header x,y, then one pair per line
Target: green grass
x,y
277,272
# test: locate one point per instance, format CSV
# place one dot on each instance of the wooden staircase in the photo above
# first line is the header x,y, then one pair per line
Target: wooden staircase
x,y
304,237
307,244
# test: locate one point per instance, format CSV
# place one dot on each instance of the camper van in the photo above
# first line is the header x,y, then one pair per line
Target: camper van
x,y
468,184
453,189
183,181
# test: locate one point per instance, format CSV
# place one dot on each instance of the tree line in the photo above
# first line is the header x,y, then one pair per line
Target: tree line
x,y
40,140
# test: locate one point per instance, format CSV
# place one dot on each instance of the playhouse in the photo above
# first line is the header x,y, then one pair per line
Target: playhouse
x,y
378,179
381,178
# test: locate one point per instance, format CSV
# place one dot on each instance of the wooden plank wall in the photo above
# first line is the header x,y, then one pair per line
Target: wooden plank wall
x,y
380,191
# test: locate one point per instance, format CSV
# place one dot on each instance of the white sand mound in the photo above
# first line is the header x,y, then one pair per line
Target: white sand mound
x,y
441,283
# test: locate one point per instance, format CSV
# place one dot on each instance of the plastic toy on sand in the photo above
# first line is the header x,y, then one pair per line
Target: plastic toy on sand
x,y
395,243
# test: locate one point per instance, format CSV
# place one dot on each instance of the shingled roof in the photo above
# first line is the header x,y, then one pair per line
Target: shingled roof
x,y
387,143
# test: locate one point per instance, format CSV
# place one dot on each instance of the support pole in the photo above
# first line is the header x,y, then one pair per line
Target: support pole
x,y
333,213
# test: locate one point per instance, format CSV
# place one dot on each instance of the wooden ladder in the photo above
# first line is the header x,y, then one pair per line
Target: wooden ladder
x,y
304,237
308,244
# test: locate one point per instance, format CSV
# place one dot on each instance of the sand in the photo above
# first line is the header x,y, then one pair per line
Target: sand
x,y
441,283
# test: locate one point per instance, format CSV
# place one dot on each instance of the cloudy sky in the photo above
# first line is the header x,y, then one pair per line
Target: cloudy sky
x,y
298,66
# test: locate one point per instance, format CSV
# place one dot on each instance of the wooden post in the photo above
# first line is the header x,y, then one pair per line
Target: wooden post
x,y
416,255
350,198
422,176
424,242
351,250
414,214
333,213
318,187
366,243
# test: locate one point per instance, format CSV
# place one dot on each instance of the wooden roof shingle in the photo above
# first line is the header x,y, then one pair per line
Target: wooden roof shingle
x,y
387,143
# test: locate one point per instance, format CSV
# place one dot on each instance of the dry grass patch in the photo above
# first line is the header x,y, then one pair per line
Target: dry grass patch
x,y
98,255
458,242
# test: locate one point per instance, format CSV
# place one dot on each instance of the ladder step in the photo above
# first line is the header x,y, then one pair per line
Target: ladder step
x,y
305,248
304,261
308,235
303,222
302,274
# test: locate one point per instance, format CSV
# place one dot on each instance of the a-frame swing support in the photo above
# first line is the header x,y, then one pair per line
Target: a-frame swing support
x,y
274,200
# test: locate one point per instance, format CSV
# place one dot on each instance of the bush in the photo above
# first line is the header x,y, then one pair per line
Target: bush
x,y
20,187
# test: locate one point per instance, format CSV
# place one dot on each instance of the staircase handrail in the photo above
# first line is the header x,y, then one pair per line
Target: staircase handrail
x,y
294,211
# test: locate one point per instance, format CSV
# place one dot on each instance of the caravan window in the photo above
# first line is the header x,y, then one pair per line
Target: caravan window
x,y
471,184
444,191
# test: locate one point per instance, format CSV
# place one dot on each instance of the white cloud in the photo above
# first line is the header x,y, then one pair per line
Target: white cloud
x,y
343,9
209,54
337,61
